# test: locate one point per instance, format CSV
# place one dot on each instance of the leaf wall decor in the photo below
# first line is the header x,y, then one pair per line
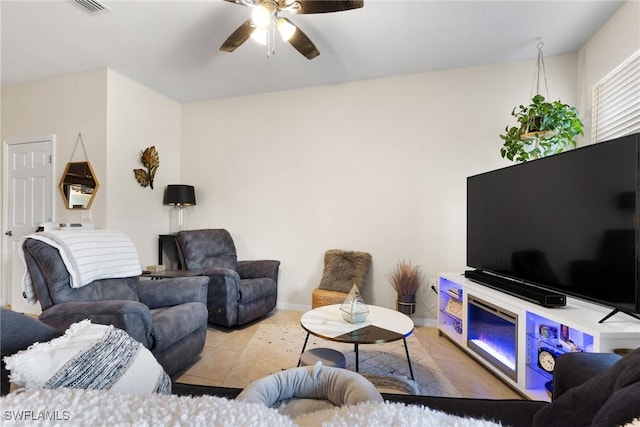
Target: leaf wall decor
x,y
151,161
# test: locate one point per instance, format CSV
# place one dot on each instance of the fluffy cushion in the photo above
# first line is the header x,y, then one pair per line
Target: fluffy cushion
x,y
343,269
89,356
105,408
301,390
376,414
66,407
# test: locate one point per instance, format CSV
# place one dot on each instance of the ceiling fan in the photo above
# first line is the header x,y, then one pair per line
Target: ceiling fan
x,y
266,20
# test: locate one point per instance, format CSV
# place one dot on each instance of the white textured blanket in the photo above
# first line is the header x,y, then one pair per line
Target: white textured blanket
x,y
67,407
96,408
88,255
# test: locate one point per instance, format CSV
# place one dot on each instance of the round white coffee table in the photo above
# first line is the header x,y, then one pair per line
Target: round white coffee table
x,y
382,325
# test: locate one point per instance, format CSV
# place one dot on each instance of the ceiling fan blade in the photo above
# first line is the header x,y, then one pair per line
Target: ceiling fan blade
x,y
239,36
325,6
302,43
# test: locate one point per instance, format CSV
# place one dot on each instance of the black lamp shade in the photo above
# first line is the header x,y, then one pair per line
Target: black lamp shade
x,y
183,195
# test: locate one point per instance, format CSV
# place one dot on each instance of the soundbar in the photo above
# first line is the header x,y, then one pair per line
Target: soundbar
x,y
518,289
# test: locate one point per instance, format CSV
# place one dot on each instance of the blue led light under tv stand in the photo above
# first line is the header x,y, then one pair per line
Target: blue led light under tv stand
x,y
516,288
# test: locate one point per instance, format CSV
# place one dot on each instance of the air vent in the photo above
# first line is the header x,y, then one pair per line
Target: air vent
x,y
92,6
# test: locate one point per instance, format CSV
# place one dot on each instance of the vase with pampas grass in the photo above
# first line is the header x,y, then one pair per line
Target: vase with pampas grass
x,y
406,280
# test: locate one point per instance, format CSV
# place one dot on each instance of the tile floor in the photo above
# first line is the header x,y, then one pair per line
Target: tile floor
x,y
223,346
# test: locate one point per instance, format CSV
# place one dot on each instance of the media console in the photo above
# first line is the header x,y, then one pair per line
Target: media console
x,y
519,340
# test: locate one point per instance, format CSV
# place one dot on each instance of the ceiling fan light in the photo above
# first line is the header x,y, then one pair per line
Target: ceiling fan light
x,y
261,16
286,29
260,35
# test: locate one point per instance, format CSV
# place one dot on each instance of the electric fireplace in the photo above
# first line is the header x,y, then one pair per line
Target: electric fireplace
x,y
492,334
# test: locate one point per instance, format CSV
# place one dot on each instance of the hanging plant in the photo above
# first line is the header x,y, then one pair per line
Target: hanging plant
x,y
544,128
150,160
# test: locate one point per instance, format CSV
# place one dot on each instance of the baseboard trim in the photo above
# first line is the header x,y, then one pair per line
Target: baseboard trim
x,y
293,307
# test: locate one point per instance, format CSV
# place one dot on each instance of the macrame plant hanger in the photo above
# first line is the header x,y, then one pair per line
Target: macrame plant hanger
x,y
539,78
540,75
84,150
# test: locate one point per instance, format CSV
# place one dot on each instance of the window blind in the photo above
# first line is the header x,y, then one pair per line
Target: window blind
x,y
616,102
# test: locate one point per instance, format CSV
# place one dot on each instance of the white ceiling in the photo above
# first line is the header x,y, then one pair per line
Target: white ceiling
x,y
172,46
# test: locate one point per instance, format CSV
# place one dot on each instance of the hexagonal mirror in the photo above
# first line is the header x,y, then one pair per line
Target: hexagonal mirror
x,y
78,185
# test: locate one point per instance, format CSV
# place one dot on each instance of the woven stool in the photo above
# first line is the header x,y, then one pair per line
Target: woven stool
x,y
327,356
321,297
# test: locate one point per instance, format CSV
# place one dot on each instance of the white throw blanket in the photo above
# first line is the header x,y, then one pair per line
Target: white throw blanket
x,y
88,255
75,407
96,408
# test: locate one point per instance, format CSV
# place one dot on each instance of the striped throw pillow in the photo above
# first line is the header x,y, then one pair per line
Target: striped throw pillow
x,y
89,356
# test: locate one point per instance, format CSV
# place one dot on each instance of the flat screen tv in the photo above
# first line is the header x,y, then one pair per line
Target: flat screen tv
x,y
568,223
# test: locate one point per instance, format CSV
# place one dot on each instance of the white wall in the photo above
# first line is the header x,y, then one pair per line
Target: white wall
x,y
64,106
378,166
616,41
118,118
137,118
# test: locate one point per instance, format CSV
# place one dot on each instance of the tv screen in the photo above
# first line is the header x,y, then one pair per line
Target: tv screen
x,y
567,222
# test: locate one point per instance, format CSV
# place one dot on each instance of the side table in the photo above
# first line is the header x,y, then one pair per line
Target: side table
x,y
166,274
167,242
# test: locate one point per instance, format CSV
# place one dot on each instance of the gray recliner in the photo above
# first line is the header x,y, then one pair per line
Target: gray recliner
x,y
169,317
239,291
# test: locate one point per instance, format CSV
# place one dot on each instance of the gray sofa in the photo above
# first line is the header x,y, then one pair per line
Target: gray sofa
x,y
169,317
239,291
598,389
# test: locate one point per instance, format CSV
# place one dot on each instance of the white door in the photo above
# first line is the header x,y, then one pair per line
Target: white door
x,y
27,202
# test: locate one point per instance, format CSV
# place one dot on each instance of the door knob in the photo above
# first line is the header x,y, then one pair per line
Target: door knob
x,y
9,233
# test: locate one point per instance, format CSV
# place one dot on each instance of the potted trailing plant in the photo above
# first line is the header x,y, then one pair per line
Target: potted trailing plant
x,y
544,128
406,280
